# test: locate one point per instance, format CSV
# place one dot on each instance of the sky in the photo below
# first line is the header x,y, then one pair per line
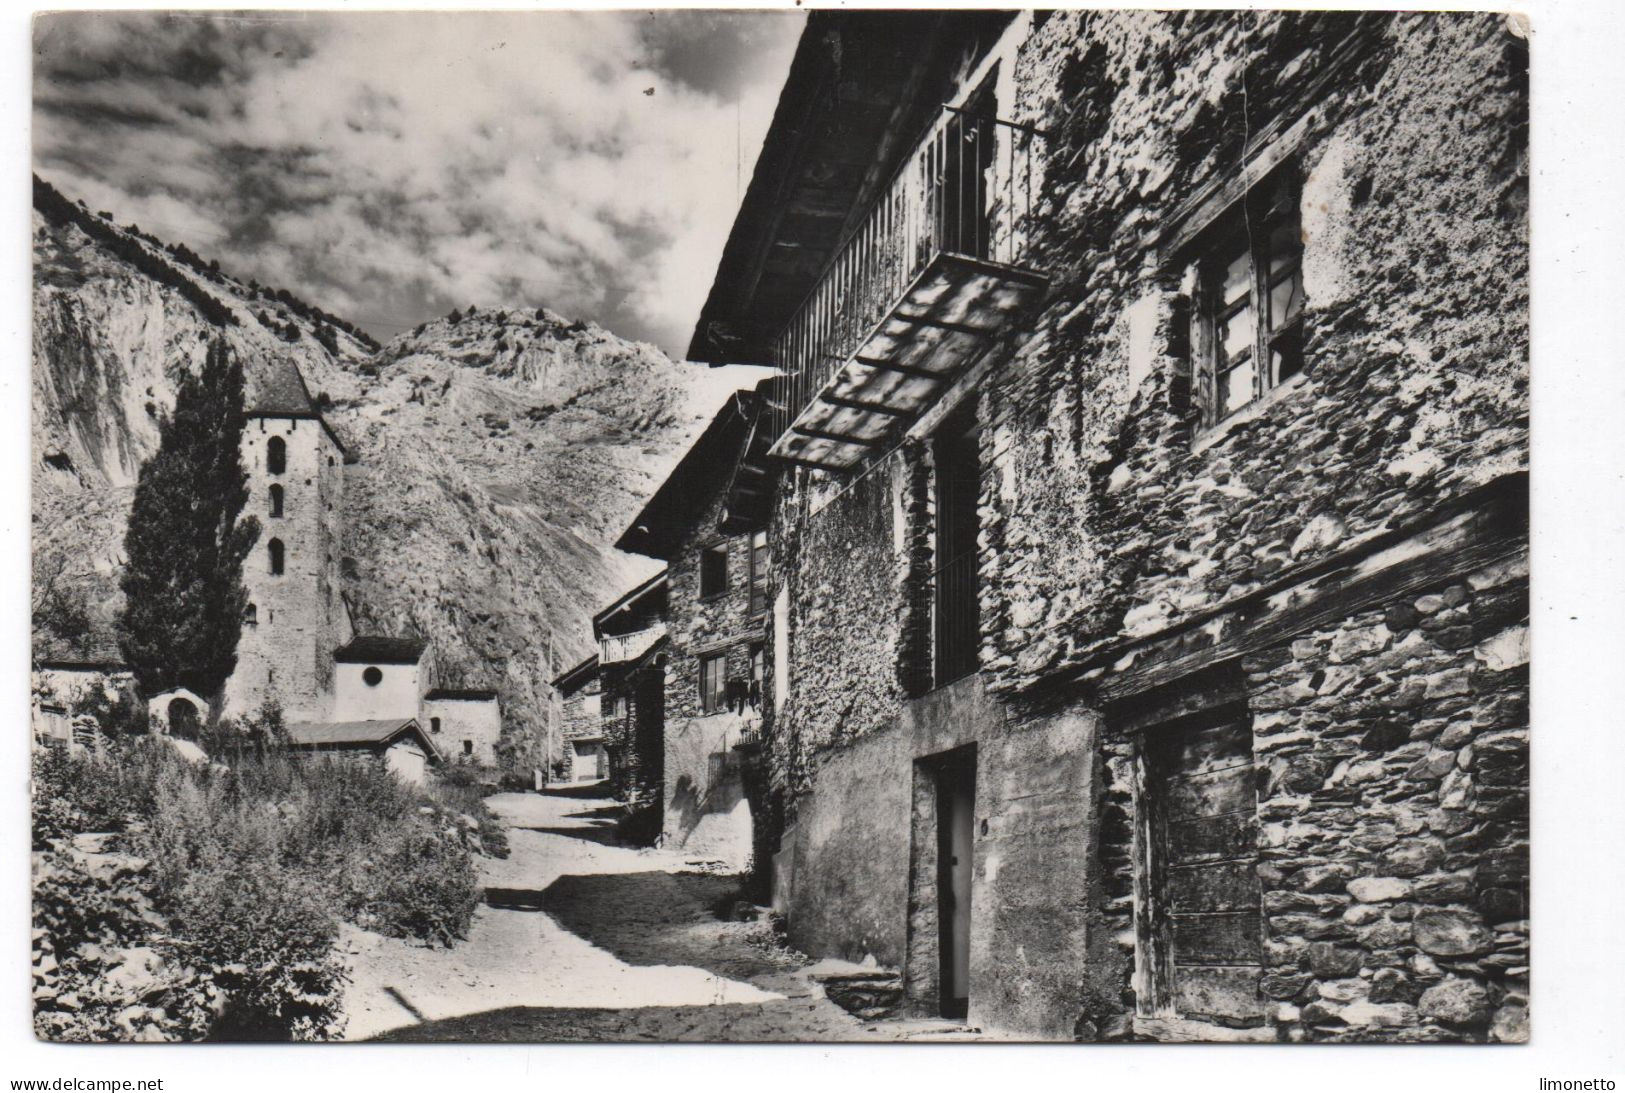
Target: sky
x,y
389,167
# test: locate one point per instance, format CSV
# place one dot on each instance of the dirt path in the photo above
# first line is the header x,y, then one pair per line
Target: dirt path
x,y
582,939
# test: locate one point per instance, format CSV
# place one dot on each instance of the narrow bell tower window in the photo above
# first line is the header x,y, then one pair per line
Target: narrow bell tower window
x,y
276,455
276,500
274,547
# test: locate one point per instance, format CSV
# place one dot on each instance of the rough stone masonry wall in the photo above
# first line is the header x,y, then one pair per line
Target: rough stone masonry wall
x,y
1106,518
837,547
705,808
706,626
1394,820
300,618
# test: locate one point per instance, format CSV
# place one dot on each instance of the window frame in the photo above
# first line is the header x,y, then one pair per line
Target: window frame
x,y
1246,229
278,500
713,550
757,573
715,700
276,456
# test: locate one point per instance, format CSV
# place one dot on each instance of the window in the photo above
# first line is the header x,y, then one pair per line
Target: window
x,y
1251,315
957,629
434,724
251,615
758,673
712,691
274,548
276,500
758,573
714,570
276,455
372,676
468,747
1197,857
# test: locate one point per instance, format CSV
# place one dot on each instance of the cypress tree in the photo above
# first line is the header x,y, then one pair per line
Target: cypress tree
x,y
185,544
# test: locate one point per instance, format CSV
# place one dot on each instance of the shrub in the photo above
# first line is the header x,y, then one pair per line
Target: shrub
x,y
423,883
244,874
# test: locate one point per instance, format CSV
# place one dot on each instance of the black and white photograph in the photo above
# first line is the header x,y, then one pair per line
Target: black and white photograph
x,y
801,525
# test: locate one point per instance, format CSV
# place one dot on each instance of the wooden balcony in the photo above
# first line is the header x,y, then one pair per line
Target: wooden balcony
x,y
615,648
929,281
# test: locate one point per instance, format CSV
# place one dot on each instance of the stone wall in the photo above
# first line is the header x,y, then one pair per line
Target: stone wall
x,y
1392,740
581,715
463,721
706,812
838,546
286,654
1110,515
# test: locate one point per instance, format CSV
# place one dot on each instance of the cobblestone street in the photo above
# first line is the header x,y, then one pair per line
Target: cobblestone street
x,y
583,939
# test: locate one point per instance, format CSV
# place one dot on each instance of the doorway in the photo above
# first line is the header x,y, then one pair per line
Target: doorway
x,y
956,818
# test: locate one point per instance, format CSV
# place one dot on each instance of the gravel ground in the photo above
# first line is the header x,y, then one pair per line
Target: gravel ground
x,y
582,939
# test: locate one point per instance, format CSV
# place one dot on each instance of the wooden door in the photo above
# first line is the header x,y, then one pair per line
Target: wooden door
x,y
956,811
1207,806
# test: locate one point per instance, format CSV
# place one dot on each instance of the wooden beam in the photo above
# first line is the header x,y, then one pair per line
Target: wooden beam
x,y
943,324
813,464
866,407
901,369
1398,564
839,438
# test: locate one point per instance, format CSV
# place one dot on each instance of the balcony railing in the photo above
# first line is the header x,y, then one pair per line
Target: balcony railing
x,y
615,648
914,295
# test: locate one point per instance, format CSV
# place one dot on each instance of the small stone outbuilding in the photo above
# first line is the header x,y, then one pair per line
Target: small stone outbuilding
x,y
400,743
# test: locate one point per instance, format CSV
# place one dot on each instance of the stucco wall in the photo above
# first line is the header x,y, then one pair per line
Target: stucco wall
x,y
863,882
398,694
706,813
287,654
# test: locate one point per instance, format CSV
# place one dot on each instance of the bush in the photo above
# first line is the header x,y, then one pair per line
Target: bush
x,y
422,884
245,872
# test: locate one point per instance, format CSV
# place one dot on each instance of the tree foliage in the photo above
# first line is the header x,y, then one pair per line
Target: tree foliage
x,y
186,542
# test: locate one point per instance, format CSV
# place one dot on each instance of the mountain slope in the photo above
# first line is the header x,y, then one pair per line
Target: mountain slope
x,y
496,456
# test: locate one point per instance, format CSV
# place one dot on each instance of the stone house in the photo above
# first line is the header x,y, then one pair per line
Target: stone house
x,y
580,694
710,530
398,742
1150,625
632,640
466,723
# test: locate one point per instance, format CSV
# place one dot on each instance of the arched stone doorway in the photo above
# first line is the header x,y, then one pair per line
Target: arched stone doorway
x,y
183,718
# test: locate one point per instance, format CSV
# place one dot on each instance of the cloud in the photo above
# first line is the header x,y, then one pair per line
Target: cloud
x,y
392,166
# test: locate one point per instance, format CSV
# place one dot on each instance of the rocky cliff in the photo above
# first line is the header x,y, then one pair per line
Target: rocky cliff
x,y
496,455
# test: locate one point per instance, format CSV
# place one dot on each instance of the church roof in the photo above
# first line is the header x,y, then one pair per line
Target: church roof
x,y
463,694
277,389
378,649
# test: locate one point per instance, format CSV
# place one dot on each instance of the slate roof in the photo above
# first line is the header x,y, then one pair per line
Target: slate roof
x,y
674,510
577,677
378,649
277,389
651,595
462,694
339,734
